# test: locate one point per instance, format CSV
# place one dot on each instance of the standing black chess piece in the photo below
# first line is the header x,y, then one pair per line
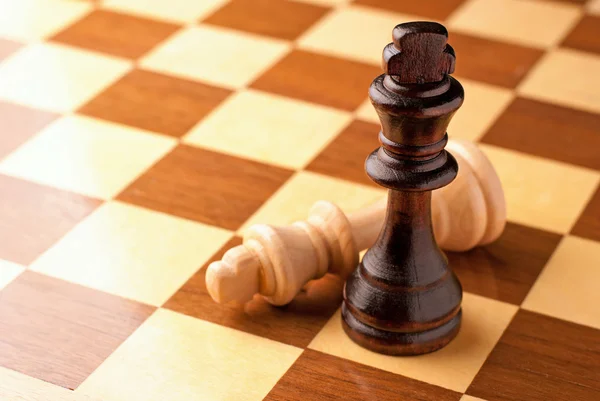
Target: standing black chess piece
x,y
403,299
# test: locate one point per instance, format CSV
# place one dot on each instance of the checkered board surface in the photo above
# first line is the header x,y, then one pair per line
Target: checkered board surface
x,y
139,138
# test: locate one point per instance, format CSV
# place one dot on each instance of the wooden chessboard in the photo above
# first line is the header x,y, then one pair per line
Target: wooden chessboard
x,y
139,138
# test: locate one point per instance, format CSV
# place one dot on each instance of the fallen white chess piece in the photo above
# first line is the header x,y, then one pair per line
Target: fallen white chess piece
x,y
277,262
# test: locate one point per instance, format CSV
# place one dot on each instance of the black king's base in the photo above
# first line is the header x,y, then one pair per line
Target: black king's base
x,y
406,302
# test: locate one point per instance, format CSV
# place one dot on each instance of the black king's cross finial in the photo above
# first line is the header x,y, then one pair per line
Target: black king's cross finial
x,y
419,53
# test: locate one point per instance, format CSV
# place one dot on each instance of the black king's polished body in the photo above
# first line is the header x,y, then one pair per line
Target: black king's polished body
x,y
403,299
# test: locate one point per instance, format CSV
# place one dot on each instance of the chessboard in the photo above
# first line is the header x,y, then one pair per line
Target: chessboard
x,y
140,138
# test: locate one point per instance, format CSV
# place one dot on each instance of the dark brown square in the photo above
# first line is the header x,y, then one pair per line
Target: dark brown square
x,y
541,358
296,323
345,156
19,123
155,102
586,35
326,377
506,269
60,332
206,186
490,61
432,9
588,225
117,34
549,131
332,81
8,47
278,18
33,217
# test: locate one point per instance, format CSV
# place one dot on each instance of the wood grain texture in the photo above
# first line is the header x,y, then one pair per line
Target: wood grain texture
x,y
138,99
506,269
178,358
358,140
432,9
526,124
114,33
542,361
295,324
15,386
325,377
33,217
19,123
588,224
586,35
206,186
289,78
277,18
541,358
60,332
491,61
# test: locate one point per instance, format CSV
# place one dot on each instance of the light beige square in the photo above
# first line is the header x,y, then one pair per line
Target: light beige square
x,y
469,398
542,193
294,199
367,112
87,156
8,272
526,22
353,32
567,77
215,55
452,367
178,11
55,77
567,288
179,358
483,104
30,20
132,252
15,386
269,128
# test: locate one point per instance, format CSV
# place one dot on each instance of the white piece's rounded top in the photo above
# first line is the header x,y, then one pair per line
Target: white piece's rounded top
x,y
235,277
466,210
490,184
